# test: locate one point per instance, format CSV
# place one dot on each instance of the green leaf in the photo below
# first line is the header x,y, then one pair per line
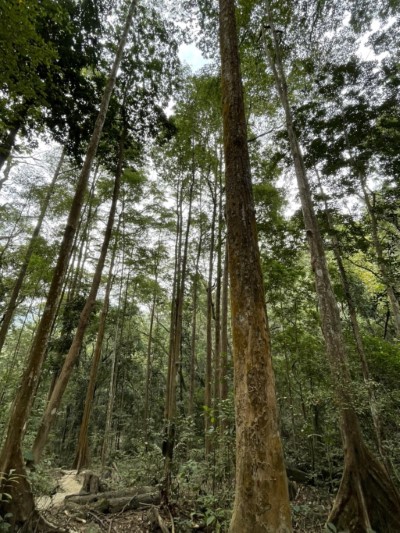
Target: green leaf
x,y
330,527
210,519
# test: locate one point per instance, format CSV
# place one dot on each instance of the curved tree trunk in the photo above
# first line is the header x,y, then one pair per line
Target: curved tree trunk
x,y
261,495
7,142
367,498
12,304
373,404
73,353
11,453
82,457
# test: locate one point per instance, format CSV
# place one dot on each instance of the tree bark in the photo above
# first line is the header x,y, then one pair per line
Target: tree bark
x,y
386,277
261,495
73,353
223,383
367,498
176,337
373,404
82,457
209,354
119,328
218,289
11,453
194,328
149,357
12,304
7,143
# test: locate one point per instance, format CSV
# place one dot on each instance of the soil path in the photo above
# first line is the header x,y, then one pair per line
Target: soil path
x,y
69,483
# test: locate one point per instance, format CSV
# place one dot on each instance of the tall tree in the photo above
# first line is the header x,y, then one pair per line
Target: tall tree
x,y
22,505
73,352
82,457
12,304
366,492
261,494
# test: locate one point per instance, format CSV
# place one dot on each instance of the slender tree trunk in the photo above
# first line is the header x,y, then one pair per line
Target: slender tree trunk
x,y
373,404
176,340
367,498
73,353
13,233
394,303
169,412
13,361
386,277
82,457
82,241
261,494
119,327
72,284
217,348
8,141
149,358
22,504
7,171
193,344
209,355
12,304
223,383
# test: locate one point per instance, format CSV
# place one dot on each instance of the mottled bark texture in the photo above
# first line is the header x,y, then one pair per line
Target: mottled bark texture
x,y
261,495
11,455
367,498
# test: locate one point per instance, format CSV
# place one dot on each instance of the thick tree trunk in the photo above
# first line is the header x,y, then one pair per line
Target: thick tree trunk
x,y
82,457
73,353
12,304
366,498
261,495
10,457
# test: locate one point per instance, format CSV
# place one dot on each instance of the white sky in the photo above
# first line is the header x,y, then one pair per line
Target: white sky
x,y
190,55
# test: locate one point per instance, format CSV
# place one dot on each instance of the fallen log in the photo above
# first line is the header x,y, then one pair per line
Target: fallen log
x,y
110,503
87,497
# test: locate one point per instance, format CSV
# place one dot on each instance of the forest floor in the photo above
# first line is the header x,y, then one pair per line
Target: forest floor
x,y
69,483
310,507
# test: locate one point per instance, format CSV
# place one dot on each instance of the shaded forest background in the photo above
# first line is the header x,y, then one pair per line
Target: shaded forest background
x,y
159,329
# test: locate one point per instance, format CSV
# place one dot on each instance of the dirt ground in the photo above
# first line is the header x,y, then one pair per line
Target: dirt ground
x,y
309,510
54,511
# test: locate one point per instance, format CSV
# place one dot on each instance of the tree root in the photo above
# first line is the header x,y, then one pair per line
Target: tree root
x,y
367,498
